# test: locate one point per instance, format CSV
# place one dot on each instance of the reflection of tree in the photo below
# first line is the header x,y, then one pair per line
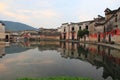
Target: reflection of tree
x,y
82,50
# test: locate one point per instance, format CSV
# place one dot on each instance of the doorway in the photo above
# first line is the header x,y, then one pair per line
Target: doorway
x,y
6,38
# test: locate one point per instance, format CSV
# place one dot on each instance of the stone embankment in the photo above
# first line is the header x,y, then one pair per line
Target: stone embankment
x,y
116,46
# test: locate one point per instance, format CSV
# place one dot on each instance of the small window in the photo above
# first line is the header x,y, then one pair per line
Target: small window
x,y
87,27
64,30
116,18
79,27
72,28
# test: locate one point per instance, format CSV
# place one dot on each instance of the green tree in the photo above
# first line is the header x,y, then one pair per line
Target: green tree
x,y
82,33
86,32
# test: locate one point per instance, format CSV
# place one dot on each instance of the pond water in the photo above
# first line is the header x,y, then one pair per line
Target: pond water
x,y
45,59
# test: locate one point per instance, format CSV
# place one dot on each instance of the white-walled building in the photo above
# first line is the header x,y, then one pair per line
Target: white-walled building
x,y
70,31
2,31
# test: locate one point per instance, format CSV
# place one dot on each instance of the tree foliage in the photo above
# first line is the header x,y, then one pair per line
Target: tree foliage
x,y
82,33
86,32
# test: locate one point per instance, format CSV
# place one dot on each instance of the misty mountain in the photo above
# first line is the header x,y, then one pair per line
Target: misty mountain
x,y
16,26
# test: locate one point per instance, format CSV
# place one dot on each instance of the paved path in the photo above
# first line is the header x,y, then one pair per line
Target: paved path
x,y
110,45
116,46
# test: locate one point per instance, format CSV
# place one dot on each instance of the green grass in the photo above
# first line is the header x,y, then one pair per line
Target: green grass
x,y
56,78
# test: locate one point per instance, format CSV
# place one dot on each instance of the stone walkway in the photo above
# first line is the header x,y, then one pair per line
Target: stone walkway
x,y
110,45
116,46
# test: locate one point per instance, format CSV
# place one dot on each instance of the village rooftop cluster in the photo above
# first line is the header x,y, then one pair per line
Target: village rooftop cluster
x,y
100,29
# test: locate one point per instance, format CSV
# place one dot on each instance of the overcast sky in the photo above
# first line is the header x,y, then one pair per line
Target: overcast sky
x,y
52,13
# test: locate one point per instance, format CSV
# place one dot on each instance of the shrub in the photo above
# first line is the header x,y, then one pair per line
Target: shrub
x,y
57,78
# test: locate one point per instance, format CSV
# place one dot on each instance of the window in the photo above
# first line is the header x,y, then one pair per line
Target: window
x,y
79,27
115,18
72,28
64,30
87,27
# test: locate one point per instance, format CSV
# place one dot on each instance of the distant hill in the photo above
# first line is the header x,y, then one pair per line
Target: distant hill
x,y
16,26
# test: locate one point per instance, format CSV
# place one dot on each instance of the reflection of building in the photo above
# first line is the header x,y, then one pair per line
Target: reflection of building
x,y
48,45
15,48
107,58
2,50
97,55
69,50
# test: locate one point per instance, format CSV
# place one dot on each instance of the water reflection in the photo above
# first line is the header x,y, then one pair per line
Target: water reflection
x,y
48,45
2,50
24,46
16,48
69,50
38,59
97,55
